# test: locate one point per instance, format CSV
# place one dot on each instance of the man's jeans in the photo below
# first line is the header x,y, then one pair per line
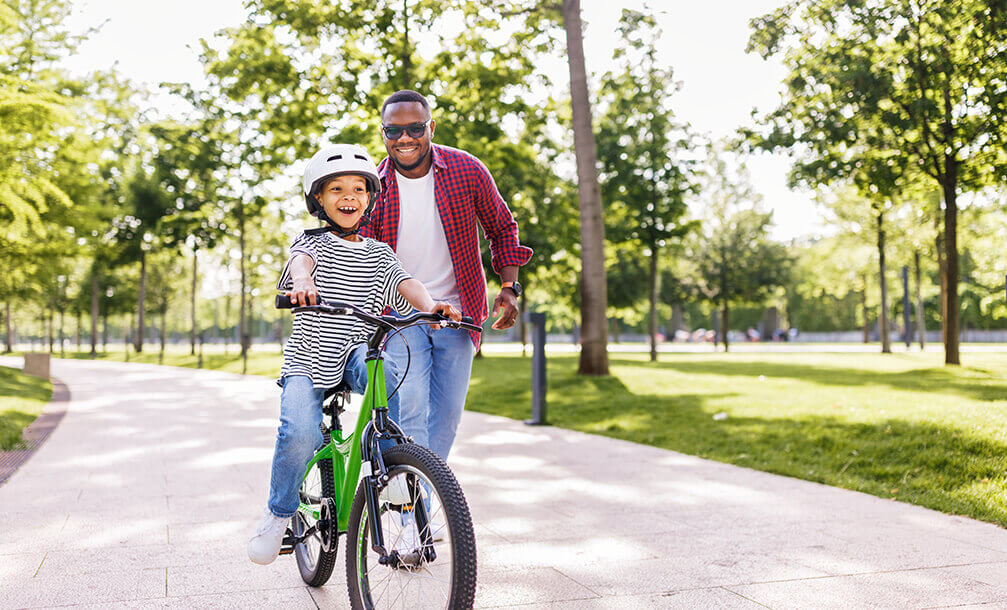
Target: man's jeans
x,y
299,435
433,393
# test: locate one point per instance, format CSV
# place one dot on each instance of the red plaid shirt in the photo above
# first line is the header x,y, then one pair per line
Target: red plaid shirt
x,y
464,192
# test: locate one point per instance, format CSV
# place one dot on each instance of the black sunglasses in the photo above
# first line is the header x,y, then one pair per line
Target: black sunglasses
x,y
394,132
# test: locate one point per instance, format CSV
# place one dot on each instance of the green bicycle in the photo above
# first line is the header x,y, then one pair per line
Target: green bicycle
x,y
410,541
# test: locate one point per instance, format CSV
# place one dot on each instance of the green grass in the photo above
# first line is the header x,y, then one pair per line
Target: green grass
x,y
899,426
22,398
896,426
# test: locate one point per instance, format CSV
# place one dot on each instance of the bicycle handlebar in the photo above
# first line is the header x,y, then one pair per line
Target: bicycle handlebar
x,y
335,307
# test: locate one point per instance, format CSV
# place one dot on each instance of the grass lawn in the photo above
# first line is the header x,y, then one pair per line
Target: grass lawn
x,y
899,426
22,398
896,426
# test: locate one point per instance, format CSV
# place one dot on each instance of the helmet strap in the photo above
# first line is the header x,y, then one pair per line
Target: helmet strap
x,y
331,227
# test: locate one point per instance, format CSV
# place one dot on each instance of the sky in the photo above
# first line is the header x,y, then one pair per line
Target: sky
x,y
704,42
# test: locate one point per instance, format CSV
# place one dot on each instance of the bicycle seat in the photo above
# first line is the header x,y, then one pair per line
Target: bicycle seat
x,y
342,388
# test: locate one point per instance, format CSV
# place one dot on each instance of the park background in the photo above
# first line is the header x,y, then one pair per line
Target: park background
x,y
137,216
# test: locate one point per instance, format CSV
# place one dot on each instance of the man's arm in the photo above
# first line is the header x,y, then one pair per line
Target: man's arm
x,y
507,300
506,252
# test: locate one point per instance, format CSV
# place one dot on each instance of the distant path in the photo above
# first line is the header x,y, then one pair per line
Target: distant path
x,y
146,491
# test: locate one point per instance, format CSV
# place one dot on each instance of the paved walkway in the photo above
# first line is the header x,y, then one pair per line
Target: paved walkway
x,y
146,492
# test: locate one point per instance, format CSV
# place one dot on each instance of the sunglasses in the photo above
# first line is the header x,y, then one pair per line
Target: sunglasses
x,y
394,132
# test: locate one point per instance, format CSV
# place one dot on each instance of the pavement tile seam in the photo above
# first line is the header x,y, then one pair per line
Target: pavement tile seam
x,y
996,603
538,603
742,596
667,593
848,575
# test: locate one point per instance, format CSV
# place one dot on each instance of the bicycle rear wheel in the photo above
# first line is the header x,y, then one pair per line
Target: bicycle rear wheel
x,y
430,529
314,562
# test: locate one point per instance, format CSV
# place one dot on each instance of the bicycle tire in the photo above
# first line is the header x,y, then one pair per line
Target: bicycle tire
x,y
455,561
314,564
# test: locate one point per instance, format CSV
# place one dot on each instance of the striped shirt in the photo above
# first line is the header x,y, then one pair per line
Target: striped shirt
x,y
365,274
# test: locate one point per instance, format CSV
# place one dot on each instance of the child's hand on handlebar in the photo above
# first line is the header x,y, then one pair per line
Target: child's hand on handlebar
x,y
303,292
448,310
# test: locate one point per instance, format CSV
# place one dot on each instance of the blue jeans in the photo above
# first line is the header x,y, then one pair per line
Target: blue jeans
x,y
299,435
435,387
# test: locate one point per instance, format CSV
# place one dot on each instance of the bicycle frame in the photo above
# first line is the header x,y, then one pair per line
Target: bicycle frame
x,y
346,452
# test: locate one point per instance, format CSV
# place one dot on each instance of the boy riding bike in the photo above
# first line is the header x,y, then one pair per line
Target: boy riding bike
x,y
332,263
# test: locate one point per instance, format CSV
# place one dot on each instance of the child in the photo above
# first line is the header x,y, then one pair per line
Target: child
x,y
340,182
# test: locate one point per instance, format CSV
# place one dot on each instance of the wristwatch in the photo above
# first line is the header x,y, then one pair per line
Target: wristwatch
x,y
515,287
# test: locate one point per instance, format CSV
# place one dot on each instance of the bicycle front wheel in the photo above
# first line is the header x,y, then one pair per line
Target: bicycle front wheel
x,y
427,530
313,560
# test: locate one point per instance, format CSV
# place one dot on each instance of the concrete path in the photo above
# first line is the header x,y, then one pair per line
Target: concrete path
x,y
146,492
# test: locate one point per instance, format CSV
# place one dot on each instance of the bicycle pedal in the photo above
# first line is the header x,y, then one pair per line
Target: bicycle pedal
x,y
288,543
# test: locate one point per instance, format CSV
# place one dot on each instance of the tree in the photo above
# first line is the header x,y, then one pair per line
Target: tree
x,y
862,218
736,260
644,152
593,295
188,166
916,83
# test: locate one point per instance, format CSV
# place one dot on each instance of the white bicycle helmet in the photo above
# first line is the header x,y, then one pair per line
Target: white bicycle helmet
x,y
338,160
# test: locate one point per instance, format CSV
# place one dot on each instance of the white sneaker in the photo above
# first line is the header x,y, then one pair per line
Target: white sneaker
x,y
408,542
438,527
397,490
265,543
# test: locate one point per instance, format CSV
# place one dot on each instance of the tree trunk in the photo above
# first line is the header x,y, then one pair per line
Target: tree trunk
x,y
407,61
653,303
94,312
192,333
138,346
677,319
863,308
716,326
953,309
921,325
52,331
104,331
62,334
8,329
164,330
227,321
594,300
886,347
724,324
242,321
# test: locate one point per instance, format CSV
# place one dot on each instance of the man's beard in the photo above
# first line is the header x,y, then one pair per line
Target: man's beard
x,y
411,166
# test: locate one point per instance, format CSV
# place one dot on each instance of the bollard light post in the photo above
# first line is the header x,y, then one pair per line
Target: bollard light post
x,y
537,322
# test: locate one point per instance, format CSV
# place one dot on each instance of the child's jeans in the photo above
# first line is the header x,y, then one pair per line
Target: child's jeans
x,y
299,435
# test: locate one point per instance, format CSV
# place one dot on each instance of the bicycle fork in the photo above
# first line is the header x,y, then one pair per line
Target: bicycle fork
x,y
375,476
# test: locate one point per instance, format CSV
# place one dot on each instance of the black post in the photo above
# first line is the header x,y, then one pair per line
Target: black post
x,y
907,335
537,322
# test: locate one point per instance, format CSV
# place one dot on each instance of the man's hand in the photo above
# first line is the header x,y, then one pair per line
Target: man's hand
x,y
304,292
506,300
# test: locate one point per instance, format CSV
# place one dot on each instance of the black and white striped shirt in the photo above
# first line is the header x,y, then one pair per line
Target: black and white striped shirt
x,y
365,274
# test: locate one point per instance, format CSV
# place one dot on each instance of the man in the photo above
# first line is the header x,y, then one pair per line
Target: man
x,y
431,199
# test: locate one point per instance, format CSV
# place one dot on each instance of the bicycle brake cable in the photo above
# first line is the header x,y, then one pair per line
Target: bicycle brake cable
x,y
409,357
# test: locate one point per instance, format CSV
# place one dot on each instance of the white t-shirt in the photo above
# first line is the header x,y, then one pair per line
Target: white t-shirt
x,y
422,247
